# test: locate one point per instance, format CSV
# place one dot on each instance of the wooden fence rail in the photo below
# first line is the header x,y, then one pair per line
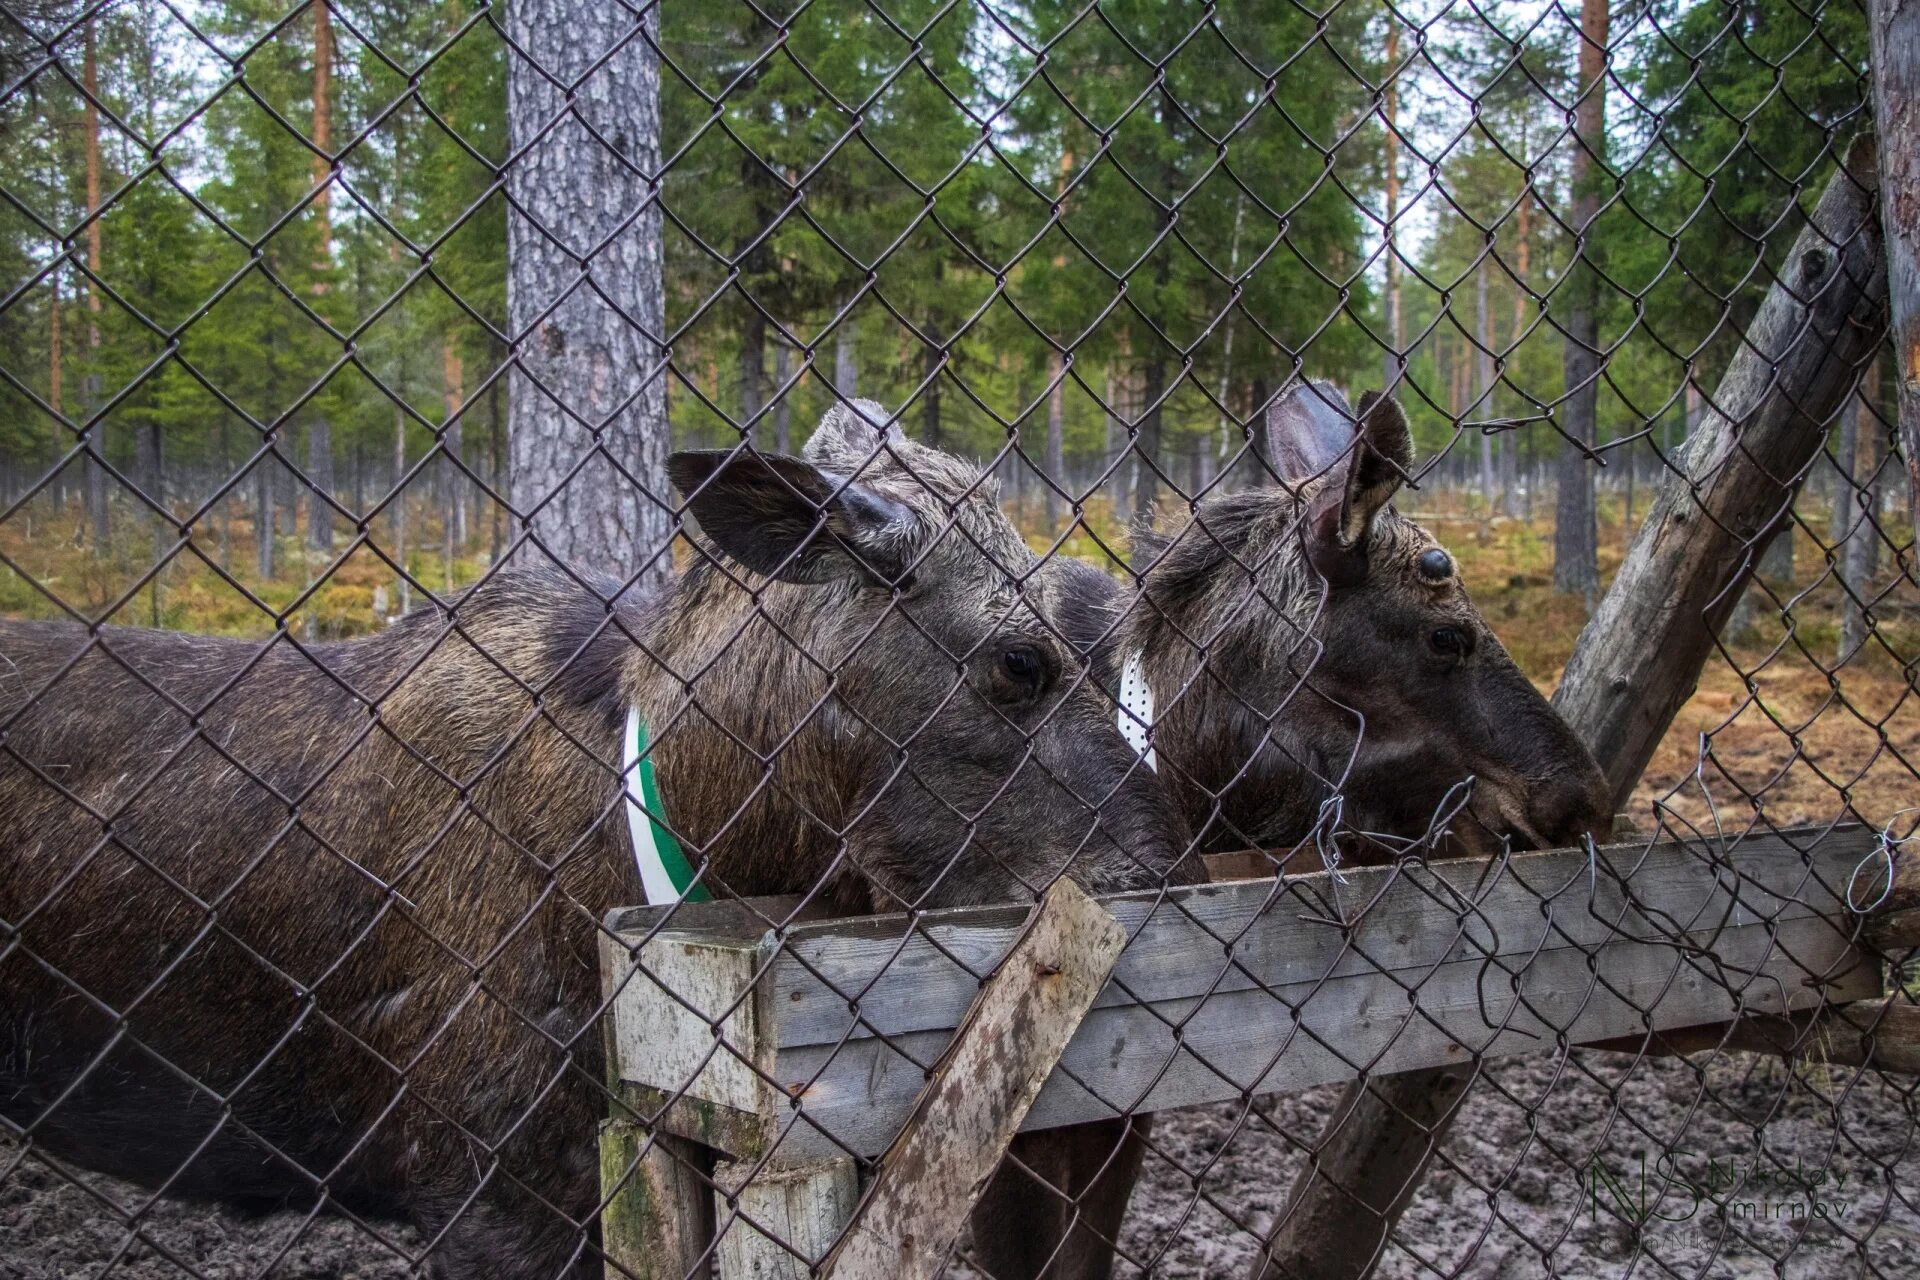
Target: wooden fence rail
x,y
806,1045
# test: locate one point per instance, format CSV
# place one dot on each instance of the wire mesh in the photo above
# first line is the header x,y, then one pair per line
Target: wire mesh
x,y
469,469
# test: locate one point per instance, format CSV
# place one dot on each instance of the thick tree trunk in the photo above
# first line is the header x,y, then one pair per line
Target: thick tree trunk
x,y
56,390
1894,29
1636,662
601,364
1575,538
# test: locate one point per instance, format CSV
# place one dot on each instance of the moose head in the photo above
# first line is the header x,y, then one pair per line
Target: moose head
x,y
1305,645
885,664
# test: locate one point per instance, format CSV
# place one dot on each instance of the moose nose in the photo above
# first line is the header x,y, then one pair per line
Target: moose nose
x,y
1570,804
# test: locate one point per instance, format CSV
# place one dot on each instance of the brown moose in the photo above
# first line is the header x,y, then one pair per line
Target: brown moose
x,y
318,927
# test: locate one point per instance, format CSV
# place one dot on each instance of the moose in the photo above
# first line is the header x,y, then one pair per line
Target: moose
x,y
1286,648
316,926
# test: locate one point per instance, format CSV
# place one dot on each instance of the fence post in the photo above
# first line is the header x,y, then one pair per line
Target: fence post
x,y
656,1224
1637,661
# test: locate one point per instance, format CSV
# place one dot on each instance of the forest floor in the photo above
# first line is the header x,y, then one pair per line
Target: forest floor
x,y
1775,727
1805,1175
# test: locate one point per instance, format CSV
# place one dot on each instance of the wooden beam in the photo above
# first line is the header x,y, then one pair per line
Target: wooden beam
x,y
1893,32
988,1077
1639,659
1258,986
1883,1034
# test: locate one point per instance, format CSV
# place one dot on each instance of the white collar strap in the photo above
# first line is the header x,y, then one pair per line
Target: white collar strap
x,y
665,873
1135,716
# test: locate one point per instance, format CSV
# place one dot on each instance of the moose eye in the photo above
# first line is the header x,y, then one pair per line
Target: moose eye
x,y
1450,642
1435,565
1023,664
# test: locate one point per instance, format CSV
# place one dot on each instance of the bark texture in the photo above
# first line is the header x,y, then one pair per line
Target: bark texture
x,y
1639,658
1894,29
587,420
1575,539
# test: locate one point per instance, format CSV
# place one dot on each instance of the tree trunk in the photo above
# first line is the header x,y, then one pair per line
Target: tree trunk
x,y
1635,665
1146,486
846,365
453,390
1483,386
98,490
782,407
263,530
602,367
1056,459
1860,553
753,366
402,588
1894,28
1393,364
1575,538
1523,262
319,430
56,391
930,402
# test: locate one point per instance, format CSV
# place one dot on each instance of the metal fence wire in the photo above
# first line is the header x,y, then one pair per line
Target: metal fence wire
x,y
573,572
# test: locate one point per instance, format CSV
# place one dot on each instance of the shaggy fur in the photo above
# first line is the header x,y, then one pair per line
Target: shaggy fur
x,y
283,925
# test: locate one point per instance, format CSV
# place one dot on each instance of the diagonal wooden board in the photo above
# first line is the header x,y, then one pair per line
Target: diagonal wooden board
x,y
828,1028
1008,1042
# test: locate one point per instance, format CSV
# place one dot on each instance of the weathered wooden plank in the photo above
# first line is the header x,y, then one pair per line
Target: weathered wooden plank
x,y
1215,939
657,1221
1211,1049
1883,1034
988,1076
1272,985
778,1221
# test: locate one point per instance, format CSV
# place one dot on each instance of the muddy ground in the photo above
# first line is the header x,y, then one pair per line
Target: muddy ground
x,y
1534,1130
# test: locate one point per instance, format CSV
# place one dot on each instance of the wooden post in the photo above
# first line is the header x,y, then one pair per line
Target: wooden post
x,y
1638,660
778,1222
981,1090
657,1221
1893,28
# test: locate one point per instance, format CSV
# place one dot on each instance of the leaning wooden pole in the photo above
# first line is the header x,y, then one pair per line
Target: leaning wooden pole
x,y
1637,661
1894,29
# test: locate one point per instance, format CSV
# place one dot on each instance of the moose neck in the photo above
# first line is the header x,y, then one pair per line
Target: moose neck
x,y
731,687
1222,645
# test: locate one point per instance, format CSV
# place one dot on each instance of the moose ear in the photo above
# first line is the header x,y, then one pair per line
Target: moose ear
x,y
789,520
1380,461
1309,429
851,435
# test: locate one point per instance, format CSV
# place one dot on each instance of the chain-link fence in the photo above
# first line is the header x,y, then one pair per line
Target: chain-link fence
x,y
573,573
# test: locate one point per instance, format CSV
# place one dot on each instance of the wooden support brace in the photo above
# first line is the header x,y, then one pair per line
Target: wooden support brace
x,y
981,1090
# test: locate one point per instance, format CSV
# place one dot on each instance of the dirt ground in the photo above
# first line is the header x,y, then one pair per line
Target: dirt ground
x,y
1564,1140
